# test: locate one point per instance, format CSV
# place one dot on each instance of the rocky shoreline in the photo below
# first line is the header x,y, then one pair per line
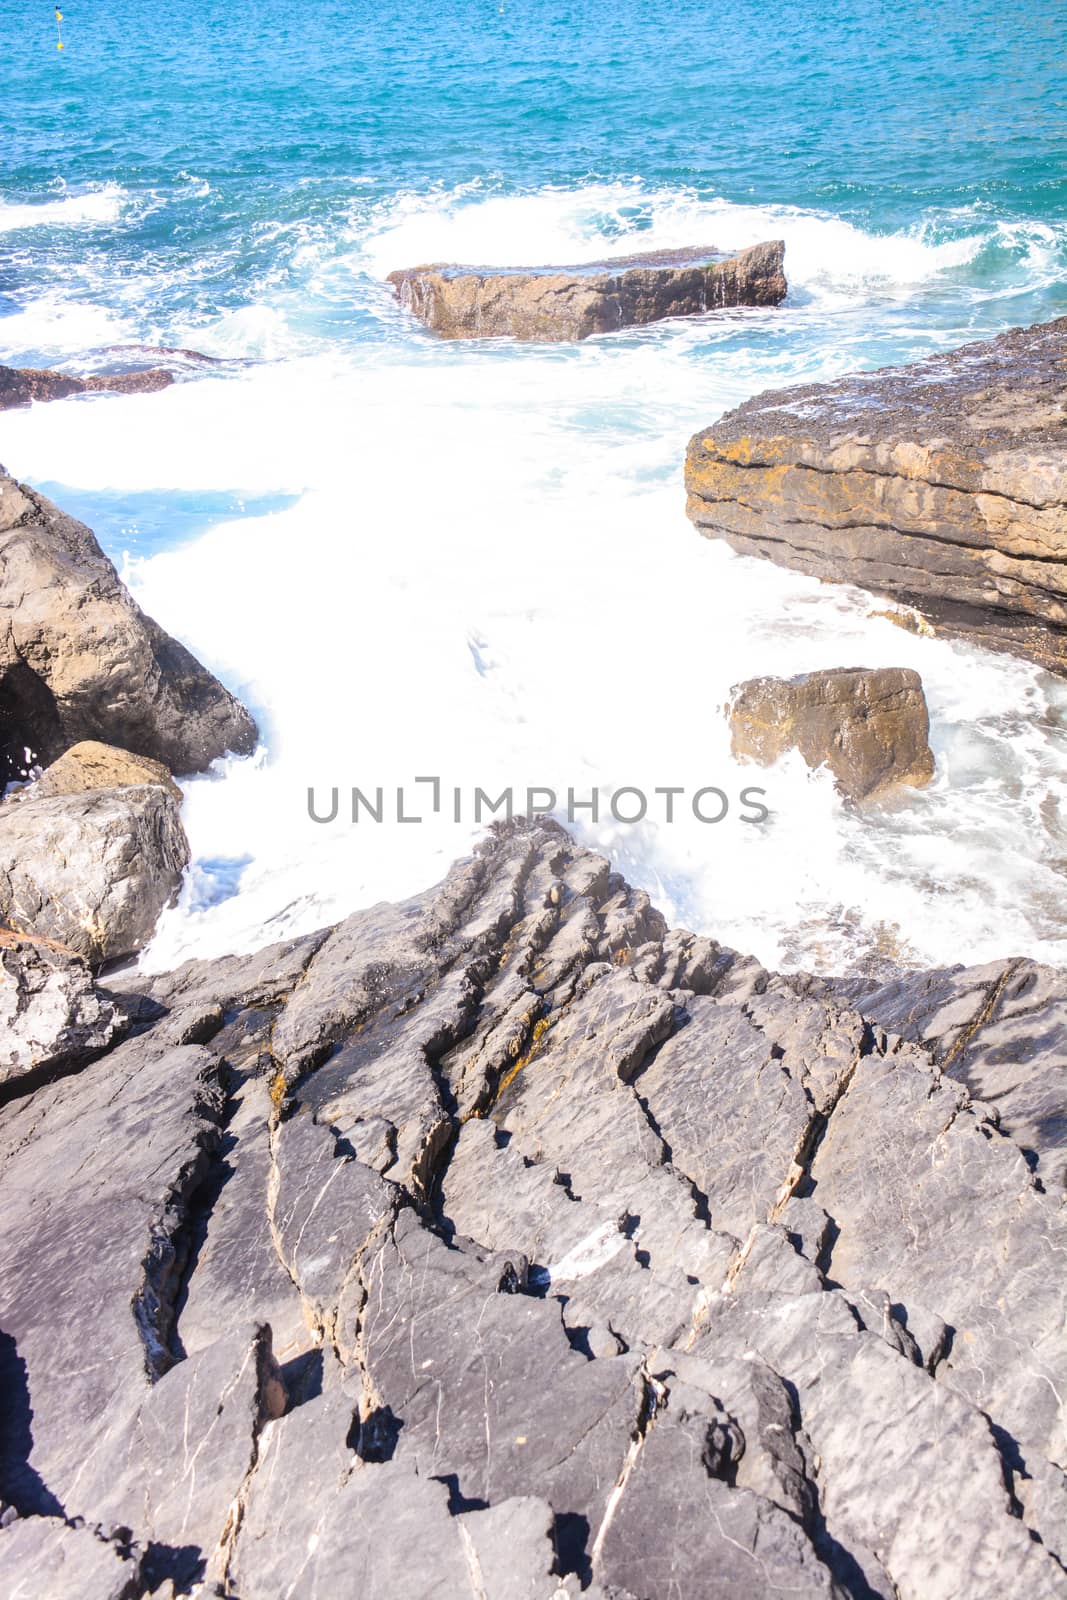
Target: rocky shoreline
x,y
98,707
601,1257
506,1242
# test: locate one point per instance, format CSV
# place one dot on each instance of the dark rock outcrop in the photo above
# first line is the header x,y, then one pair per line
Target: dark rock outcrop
x,y
503,1243
563,303
92,870
80,660
869,726
942,484
20,386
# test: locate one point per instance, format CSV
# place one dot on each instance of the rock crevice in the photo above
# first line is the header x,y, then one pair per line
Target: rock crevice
x,y
451,1327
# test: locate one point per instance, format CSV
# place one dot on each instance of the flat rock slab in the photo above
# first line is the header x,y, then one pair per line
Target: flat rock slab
x,y
559,304
505,1243
870,727
942,484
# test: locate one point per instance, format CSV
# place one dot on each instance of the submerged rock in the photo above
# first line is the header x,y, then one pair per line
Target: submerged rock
x,y
942,484
504,1242
558,304
870,727
92,870
20,386
80,660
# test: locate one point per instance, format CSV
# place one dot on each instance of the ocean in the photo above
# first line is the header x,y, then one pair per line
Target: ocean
x,y
472,560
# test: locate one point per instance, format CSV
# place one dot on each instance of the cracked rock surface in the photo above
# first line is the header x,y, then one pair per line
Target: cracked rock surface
x,y
942,484
506,1244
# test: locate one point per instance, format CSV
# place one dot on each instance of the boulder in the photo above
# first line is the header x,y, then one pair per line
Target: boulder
x,y
92,765
80,660
563,303
506,1243
869,726
92,870
52,1018
942,484
20,386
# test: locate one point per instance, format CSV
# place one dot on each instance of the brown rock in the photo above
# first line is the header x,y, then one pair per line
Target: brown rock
x,y
20,386
563,303
869,727
92,765
942,484
80,660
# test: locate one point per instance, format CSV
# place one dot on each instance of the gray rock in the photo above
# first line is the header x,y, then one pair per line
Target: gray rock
x,y
92,870
678,1522
960,1192
45,1556
870,727
97,1174
999,1029
911,1483
942,484
52,1017
80,660
504,1243
458,1361
563,303
510,1549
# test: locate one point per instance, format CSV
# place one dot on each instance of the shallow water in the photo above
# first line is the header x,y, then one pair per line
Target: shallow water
x,y
473,560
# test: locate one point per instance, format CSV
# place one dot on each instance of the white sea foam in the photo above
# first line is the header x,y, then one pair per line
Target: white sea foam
x,y
255,332
574,226
489,576
59,325
91,208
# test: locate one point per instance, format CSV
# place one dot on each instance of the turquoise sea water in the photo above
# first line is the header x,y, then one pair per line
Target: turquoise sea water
x,y
238,133
402,551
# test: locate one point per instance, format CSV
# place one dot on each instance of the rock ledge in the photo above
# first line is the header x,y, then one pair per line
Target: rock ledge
x,y
942,484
